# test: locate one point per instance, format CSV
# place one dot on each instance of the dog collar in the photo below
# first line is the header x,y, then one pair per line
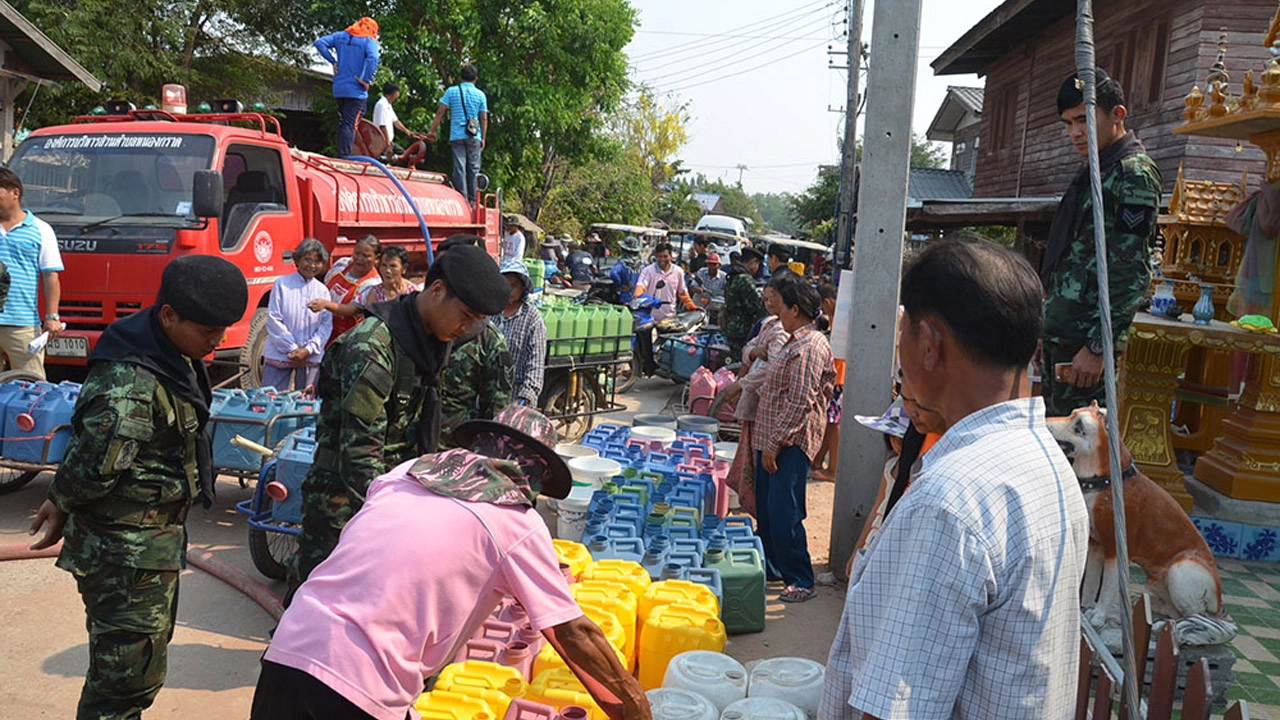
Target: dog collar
x,y
1101,482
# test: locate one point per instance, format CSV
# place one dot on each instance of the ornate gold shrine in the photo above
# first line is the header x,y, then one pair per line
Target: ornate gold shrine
x,y
1198,245
1244,463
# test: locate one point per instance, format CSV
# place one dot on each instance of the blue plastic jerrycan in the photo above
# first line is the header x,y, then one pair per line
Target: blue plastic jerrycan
x,y
36,419
291,468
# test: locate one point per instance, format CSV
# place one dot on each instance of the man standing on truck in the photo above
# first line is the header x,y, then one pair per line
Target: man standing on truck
x,y
137,461
468,108
29,248
384,116
380,383
353,53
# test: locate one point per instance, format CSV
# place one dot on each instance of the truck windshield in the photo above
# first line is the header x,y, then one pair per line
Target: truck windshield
x,y
106,175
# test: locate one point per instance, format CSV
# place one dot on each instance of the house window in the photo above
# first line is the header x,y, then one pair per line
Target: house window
x,y
1159,63
1004,116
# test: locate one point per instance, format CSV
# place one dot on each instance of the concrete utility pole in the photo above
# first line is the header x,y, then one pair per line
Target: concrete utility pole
x,y
740,168
882,217
849,156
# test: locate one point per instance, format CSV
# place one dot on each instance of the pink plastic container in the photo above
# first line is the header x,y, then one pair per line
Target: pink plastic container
x,y
487,650
517,655
521,709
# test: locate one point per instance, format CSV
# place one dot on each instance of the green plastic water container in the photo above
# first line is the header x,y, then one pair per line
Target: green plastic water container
x,y
598,318
581,329
536,270
555,319
742,577
614,327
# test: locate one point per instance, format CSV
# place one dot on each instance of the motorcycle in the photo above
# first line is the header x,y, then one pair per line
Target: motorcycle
x,y
651,356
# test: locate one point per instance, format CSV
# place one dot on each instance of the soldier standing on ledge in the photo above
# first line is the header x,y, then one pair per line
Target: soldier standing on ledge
x,y
137,460
1131,187
380,387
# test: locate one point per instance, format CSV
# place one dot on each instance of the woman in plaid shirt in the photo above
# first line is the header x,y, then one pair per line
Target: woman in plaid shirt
x,y
790,420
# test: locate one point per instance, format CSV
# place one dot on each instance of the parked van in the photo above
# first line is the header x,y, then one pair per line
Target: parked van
x,y
726,224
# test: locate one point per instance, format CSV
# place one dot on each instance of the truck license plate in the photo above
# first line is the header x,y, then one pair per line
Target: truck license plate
x,y
72,347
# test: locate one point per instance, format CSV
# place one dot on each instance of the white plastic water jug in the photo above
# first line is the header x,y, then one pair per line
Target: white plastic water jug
x,y
796,680
571,514
715,676
678,704
762,708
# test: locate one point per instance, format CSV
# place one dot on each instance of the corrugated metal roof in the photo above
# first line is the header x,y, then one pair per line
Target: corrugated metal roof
x,y
931,184
959,103
38,57
970,97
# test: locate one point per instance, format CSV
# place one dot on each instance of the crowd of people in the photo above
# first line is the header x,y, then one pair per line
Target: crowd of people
x,y
963,595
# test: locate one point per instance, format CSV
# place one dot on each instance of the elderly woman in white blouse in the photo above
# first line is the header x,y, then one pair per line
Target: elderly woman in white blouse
x,y
296,336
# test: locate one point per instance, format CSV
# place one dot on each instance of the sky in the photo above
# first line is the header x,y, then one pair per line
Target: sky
x,y
756,79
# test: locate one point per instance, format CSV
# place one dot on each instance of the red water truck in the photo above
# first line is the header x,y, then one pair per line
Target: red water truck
x,y
128,192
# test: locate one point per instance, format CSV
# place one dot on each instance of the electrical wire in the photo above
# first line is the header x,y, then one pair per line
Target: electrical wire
x,y
682,88
769,21
719,57
718,35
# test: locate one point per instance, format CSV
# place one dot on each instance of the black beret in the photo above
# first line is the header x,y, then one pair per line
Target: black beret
x,y
750,253
780,251
204,289
474,278
457,239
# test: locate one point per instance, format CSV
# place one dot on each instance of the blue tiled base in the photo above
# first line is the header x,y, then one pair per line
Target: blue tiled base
x,y
1239,540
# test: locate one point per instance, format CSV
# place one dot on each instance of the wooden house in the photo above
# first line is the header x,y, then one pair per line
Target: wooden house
x,y
959,122
1158,49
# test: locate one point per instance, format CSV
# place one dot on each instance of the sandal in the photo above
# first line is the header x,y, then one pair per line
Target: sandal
x,y
795,594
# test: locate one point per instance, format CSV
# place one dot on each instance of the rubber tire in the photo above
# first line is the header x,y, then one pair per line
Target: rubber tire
x,y
270,550
554,401
252,353
14,480
624,380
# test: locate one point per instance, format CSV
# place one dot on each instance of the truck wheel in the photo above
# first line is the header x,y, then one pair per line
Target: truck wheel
x,y
251,353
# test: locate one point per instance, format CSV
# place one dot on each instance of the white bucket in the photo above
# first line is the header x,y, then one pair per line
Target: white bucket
x,y
677,704
726,450
592,472
715,676
654,434
571,514
796,680
762,708
568,451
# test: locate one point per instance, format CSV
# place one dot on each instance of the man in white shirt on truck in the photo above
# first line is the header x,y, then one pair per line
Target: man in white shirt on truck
x,y
384,116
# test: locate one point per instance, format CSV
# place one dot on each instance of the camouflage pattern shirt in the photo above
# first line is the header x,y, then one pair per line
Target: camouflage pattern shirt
x,y
1131,201
477,381
372,398
742,308
129,474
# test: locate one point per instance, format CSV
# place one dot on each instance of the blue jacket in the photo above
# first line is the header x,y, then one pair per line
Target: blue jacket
x,y
357,57
625,279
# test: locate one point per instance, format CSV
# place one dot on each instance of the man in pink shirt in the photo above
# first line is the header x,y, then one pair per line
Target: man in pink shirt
x,y
438,543
664,280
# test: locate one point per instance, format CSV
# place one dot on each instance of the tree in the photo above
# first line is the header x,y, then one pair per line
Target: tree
x,y
676,206
814,209
611,189
925,154
553,70
653,134
217,48
775,210
734,199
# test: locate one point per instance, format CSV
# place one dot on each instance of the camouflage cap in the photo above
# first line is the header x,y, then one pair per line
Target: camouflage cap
x,y
526,436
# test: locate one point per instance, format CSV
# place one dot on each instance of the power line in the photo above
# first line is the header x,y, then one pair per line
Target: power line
x,y
747,70
749,26
715,61
720,35
709,53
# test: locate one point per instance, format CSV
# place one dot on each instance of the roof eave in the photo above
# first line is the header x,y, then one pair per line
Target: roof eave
x,y
954,60
42,41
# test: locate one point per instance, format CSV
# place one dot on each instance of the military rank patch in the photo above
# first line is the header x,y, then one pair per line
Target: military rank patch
x,y
120,455
1135,219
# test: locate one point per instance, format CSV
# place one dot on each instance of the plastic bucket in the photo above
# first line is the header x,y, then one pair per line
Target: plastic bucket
x,y
568,451
592,472
571,514
654,434
654,420
698,423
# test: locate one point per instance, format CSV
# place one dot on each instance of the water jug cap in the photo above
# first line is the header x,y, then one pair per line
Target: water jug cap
x,y
277,491
25,422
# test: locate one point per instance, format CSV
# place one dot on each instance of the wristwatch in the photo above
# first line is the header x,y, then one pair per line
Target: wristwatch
x,y
54,316
1095,347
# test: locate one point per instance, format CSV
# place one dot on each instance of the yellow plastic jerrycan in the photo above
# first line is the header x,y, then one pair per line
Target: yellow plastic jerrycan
x,y
449,705
495,684
628,572
560,688
672,592
617,599
548,659
575,555
671,630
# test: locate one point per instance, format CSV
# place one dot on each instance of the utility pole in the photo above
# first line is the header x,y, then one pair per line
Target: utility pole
x,y
872,316
849,157
741,167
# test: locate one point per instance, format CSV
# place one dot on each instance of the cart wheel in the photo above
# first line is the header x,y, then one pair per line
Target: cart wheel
x,y
556,400
13,480
252,352
626,374
11,375
270,551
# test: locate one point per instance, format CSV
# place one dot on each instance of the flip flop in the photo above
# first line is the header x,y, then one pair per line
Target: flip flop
x,y
795,594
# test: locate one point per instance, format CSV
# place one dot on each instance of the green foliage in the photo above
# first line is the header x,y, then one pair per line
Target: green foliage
x,y
814,209
217,48
652,135
925,154
676,207
735,199
607,190
775,209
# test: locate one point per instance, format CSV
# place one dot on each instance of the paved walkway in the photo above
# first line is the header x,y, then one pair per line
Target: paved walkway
x,y
1251,591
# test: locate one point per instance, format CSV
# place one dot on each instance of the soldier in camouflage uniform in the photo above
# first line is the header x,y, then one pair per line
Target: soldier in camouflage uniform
x,y
137,459
1131,187
380,386
742,304
477,381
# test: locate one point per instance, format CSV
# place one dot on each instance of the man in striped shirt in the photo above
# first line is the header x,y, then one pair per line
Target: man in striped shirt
x,y
29,248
